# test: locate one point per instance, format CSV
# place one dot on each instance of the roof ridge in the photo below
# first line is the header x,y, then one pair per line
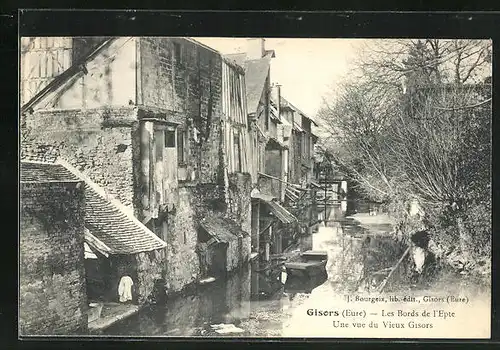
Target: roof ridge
x,y
193,40
299,110
110,198
35,161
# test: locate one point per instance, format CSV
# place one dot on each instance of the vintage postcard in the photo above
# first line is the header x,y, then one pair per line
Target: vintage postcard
x,y
255,187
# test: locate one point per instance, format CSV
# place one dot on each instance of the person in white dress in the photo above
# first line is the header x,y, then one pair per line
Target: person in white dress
x,y
125,289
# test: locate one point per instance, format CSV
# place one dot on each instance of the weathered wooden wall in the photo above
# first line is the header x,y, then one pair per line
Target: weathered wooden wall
x,y
235,123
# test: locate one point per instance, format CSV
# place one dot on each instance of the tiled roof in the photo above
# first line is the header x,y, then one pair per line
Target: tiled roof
x,y
297,127
114,228
107,221
275,143
45,172
222,229
274,114
31,151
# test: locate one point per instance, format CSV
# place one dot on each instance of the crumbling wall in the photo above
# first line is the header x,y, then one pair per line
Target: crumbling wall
x,y
239,206
182,263
182,76
98,142
150,267
144,268
240,211
52,296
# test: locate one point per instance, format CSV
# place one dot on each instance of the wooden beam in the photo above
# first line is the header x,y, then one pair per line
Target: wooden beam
x,y
147,218
270,223
381,288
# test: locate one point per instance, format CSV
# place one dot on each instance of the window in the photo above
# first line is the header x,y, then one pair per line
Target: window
x,y
158,145
177,52
181,147
237,152
169,138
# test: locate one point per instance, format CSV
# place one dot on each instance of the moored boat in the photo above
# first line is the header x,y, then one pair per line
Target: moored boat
x,y
310,263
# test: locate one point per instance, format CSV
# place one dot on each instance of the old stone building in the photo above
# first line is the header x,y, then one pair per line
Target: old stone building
x,y
268,151
52,296
300,193
147,119
301,142
115,243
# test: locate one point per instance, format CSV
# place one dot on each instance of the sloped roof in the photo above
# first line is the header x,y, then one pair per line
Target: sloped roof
x,y
222,229
238,58
274,143
274,114
256,72
112,226
45,172
280,212
277,209
287,104
115,229
33,152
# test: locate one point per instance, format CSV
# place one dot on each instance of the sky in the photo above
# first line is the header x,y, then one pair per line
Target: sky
x,y
306,69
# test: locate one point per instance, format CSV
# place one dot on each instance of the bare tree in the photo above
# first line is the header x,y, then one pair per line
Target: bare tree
x,y
428,138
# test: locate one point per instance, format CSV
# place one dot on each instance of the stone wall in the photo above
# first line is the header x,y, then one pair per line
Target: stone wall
x,y
53,298
240,211
182,263
150,267
239,206
98,142
190,84
144,268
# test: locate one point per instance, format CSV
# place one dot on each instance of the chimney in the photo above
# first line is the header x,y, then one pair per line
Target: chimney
x,y
256,48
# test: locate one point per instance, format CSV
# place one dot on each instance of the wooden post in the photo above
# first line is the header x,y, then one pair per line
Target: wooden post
x,y
255,226
146,137
267,247
381,288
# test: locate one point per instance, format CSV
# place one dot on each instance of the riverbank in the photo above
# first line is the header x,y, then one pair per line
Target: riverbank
x,y
111,314
231,304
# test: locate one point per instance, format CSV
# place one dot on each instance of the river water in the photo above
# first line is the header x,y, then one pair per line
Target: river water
x,y
257,304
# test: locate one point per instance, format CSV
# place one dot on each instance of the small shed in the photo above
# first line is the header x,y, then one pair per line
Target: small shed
x,y
224,246
115,242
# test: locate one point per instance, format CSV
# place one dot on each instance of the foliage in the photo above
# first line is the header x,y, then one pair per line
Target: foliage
x,y
415,124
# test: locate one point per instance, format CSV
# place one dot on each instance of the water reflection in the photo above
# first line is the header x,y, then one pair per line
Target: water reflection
x,y
294,284
260,299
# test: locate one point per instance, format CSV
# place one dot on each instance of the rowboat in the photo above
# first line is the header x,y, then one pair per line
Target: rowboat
x,y
314,255
310,263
